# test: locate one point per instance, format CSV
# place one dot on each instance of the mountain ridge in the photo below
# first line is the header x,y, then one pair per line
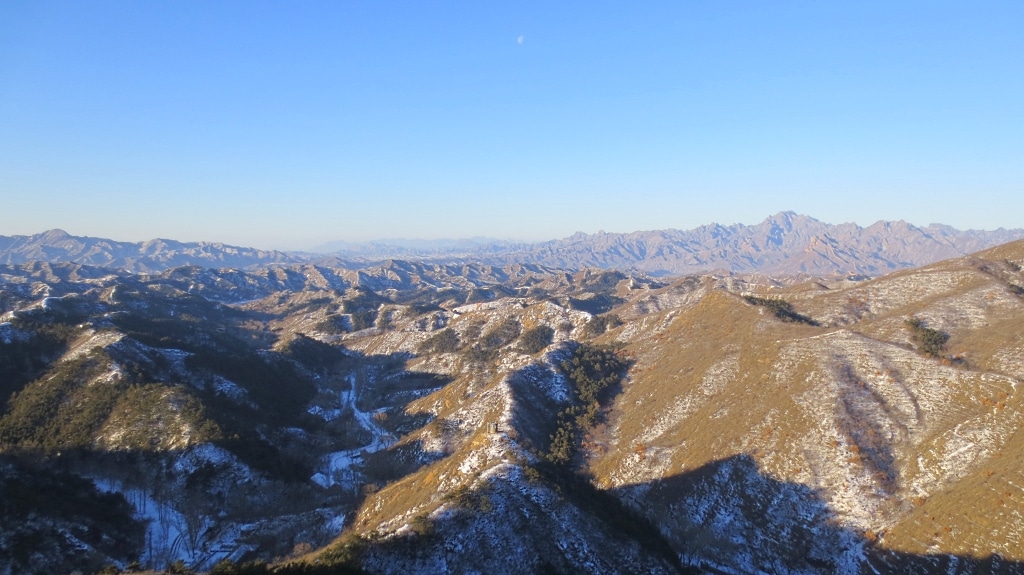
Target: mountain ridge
x,y
785,243
58,246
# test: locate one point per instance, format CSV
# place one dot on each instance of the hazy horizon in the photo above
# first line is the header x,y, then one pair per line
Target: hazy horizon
x,y
337,245
289,126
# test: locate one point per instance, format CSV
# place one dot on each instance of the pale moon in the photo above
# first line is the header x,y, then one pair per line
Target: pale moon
x,y
520,39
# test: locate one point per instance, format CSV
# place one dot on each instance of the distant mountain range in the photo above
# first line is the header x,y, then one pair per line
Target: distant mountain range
x,y
58,246
785,243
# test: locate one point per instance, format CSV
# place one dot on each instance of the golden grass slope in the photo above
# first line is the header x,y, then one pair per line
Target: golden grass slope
x,y
923,454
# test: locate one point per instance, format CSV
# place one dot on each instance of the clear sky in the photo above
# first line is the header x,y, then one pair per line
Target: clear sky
x,y
287,124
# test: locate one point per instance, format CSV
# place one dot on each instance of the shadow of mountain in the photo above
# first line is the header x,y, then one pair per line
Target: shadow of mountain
x,y
512,523
49,520
728,517
540,393
544,391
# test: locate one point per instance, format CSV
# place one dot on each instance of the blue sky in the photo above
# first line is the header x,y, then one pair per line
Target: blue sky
x,y
288,124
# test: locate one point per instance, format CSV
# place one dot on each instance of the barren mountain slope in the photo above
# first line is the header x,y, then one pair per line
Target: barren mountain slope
x,y
921,454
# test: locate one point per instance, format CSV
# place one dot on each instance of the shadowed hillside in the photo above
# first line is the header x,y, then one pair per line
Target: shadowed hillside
x,y
729,516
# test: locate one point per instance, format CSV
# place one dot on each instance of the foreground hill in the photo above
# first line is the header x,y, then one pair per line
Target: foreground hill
x,y
738,424
420,418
